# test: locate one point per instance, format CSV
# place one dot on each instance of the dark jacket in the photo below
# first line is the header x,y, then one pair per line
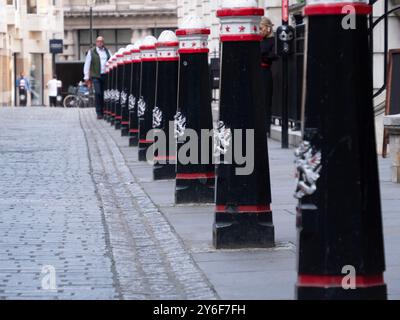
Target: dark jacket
x,y
268,55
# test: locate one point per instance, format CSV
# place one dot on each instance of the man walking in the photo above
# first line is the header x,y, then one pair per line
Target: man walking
x,y
95,72
52,86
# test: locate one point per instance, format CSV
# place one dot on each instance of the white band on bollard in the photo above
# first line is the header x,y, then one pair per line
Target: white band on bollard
x,y
167,46
148,49
337,7
240,20
193,36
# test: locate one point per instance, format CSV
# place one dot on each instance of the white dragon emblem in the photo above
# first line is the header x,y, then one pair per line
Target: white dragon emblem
x,y
107,95
180,125
117,95
222,139
157,117
132,102
141,107
308,165
124,98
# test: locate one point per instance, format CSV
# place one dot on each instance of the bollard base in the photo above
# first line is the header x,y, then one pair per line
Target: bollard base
x,y
143,150
124,131
164,172
133,141
117,125
195,191
338,293
243,230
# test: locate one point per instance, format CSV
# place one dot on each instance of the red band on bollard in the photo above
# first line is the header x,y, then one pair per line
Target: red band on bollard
x,y
153,47
168,59
167,44
195,176
134,130
188,32
149,59
337,9
240,12
245,37
146,141
192,51
245,209
125,122
336,281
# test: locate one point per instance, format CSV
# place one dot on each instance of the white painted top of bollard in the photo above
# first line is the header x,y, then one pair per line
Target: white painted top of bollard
x,y
120,56
167,46
138,44
239,3
168,36
130,48
114,61
148,43
193,35
240,21
120,52
136,55
337,7
148,49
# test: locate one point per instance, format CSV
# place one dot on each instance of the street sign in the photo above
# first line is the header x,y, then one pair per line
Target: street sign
x,y
56,46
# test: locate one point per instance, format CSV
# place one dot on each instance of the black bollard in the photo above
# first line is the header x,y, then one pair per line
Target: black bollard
x,y
134,95
107,91
195,181
341,250
166,103
114,91
126,91
243,216
146,101
119,83
107,111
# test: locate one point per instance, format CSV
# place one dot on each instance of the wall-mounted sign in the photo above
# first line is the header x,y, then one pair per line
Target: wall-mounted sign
x,y
56,46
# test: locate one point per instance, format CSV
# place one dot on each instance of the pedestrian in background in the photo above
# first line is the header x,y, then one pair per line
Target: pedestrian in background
x,y
23,87
268,57
52,86
95,73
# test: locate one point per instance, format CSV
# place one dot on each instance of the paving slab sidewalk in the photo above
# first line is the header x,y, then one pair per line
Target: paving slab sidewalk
x,y
266,273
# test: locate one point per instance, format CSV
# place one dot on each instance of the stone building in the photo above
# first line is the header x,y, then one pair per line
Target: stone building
x,y
119,21
26,26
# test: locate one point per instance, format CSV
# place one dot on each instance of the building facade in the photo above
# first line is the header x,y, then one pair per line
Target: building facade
x,y
120,22
26,27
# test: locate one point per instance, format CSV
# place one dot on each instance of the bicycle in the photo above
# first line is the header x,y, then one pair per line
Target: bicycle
x,y
79,97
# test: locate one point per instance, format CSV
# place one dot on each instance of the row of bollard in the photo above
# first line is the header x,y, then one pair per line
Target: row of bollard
x,y
158,90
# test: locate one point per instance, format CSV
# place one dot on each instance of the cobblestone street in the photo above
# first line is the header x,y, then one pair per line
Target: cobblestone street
x,y
80,210
74,199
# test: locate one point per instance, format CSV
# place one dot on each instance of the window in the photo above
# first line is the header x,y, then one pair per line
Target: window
x,y
114,39
32,6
